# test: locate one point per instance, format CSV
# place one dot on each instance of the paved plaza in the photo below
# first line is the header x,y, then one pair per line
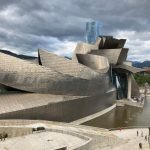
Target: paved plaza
x,y
42,141
54,136
58,135
131,139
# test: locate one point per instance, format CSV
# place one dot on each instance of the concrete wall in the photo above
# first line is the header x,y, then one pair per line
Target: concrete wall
x,y
87,145
135,91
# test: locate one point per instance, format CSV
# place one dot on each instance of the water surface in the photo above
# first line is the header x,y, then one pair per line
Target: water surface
x,y
124,117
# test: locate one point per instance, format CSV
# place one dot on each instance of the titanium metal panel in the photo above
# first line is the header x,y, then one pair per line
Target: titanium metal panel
x,y
98,63
99,42
65,66
115,56
83,48
108,42
114,43
61,110
11,102
123,56
26,76
127,68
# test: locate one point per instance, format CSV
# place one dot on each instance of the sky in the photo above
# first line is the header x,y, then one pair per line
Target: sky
x,y
57,25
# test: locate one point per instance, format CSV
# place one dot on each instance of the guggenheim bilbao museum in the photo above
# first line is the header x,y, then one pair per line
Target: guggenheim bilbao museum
x,y
56,88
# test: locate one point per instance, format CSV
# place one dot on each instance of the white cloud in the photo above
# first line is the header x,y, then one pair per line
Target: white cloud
x,y
139,47
65,48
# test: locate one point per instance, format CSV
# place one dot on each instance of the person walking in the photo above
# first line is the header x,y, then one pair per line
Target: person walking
x,y
137,133
140,145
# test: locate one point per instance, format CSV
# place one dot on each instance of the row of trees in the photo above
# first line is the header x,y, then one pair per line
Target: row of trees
x,y
142,79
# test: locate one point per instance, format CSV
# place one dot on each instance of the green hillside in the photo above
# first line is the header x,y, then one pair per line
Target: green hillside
x,y
142,79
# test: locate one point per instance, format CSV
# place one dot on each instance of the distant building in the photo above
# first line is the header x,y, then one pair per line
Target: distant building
x,y
92,31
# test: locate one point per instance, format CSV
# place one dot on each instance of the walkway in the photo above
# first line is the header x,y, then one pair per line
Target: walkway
x,y
131,139
42,141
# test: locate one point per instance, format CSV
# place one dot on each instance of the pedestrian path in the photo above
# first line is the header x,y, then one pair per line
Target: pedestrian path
x,y
131,139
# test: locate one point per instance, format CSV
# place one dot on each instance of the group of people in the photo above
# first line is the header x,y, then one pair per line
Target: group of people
x,y
147,138
139,99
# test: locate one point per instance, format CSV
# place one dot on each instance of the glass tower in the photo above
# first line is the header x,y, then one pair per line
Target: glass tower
x,y
92,31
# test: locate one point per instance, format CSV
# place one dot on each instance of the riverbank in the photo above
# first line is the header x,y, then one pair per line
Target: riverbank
x,y
142,91
130,102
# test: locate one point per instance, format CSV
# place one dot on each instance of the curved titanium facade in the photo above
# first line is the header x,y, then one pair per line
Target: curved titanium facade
x,y
26,76
83,48
108,42
60,89
55,108
65,66
98,63
115,56
127,68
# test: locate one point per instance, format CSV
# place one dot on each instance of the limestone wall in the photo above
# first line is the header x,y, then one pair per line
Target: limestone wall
x,y
15,131
96,138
